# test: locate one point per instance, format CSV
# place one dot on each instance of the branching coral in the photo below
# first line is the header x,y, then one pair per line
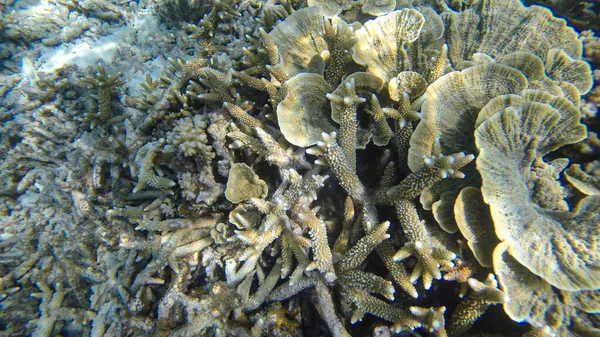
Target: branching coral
x,y
295,196
304,173
105,85
146,174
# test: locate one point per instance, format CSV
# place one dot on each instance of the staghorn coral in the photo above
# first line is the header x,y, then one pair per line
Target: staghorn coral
x,y
105,84
340,39
296,191
146,170
431,254
235,228
481,295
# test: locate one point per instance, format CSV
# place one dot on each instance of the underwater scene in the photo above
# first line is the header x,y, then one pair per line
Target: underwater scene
x,y
301,168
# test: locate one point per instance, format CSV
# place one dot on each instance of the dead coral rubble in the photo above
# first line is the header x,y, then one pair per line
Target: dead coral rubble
x,y
396,169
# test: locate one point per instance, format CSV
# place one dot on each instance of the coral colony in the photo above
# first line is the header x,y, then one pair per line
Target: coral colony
x,y
289,168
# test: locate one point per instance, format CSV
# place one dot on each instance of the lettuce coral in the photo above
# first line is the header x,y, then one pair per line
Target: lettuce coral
x,y
337,169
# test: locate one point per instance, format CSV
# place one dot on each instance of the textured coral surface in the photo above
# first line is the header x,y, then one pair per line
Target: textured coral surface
x,y
299,168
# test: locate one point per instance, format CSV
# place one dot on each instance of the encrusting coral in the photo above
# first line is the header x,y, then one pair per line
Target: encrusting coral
x,y
346,168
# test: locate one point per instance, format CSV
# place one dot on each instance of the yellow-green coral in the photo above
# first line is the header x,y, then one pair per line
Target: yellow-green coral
x,y
244,184
436,133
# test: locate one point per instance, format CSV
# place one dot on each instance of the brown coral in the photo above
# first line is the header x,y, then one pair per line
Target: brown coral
x,y
385,57
244,184
303,114
507,26
535,301
526,201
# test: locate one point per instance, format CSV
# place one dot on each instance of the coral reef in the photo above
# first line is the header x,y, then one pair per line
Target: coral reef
x,y
288,168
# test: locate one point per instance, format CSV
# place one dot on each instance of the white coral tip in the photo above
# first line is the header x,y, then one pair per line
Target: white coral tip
x,y
330,277
429,160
